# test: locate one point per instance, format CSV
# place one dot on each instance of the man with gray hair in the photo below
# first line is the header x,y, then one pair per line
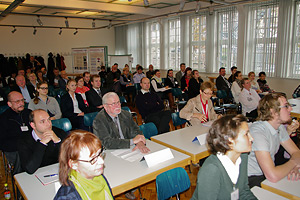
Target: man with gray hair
x,y
26,90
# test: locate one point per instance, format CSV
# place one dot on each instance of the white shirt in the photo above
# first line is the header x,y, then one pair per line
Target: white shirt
x,y
236,90
75,104
233,170
249,100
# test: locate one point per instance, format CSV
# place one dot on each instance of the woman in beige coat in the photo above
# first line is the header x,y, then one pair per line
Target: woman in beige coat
x,y
200,108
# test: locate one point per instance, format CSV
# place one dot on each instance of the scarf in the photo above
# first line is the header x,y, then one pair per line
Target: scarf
x,y
158,80
96,188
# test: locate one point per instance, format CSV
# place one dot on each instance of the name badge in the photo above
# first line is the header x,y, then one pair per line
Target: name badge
x,y
235,194
24,128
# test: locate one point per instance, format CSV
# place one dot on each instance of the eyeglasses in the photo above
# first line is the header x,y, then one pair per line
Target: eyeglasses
x,y
95,159
114,104
286,106
43,88
18,101
208,93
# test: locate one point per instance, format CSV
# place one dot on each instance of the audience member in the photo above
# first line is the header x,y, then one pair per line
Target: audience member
x,y
40,77
73,107
26,90
185,80
32,80
223,84
21,72
170,81
95,94
254,84
55,78
2,81
113,79
40,147
151,107
81,89
14,122
180,73
200,108
269,132
249,99
87,81
103,74
224,173
194,84
263,86
127,84
45,102
150,73
137,69
237,87
12,79
231,78
63,81
137,77
81,165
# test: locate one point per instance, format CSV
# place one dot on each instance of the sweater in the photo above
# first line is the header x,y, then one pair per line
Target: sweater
x,y
148,103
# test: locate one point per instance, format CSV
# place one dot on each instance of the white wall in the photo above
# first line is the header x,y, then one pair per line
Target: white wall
x,y
48,40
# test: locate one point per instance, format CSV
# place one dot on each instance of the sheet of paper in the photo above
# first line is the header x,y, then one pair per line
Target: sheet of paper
x,y
48,179
128,154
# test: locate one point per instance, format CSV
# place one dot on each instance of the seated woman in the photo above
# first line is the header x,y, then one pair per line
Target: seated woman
x,y
185,80
172,82
249,99
237,87
194,84
200,108
127,84
81,167
32,80
40,77
81,89
224,173
45,102
162,91
73,107
254,84
263,86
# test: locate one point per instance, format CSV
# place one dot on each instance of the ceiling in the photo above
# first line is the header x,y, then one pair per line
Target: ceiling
x,y
114,11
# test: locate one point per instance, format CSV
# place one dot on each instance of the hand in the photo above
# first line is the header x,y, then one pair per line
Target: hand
x,y
49,135
200,116
292,127
139,138
81,114
167,87
141,146
294,174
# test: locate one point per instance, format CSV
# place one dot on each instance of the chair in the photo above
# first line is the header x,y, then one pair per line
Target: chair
x,y
172,182
88,120
133,114
3,108
221,94
122,99
63,124
149,130
177,121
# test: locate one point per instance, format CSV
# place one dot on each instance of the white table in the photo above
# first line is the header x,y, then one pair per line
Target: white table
x,y
263,194
181,140
122,175
296,109
284,187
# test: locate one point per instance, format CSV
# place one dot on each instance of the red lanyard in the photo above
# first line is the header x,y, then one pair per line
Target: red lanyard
x,y
204,107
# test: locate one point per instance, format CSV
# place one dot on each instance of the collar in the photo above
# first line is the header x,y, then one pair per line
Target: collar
x,y
232,169
271,128
145,91
97,89
35,136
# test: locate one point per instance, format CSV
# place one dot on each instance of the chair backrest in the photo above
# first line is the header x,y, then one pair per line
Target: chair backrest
x,y
149,130
221,94
3,108
122,99
177,121
63,124
89,118
126,108
172,182
176,92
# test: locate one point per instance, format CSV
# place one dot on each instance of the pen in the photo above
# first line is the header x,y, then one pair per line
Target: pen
x,y
50,175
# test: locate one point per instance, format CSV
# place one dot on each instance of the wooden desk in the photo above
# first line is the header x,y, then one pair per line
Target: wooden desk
x,y
284,187
296,109
263,194
181,140
122,175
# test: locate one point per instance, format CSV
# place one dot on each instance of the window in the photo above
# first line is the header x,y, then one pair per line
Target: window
x,y
153,44
227,38
198,40
174,44
295,70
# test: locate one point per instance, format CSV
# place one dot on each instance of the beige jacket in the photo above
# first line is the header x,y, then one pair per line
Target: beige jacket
x,y
194,106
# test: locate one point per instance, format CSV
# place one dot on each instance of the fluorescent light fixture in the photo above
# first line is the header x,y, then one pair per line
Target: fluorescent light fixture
x,y
93,23
34,30
76,31
67,22
146,3
39,21
60,31
109,25
13,31
181,5
198,6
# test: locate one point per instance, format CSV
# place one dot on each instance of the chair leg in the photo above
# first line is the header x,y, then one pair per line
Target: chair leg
x,y
141,197
177,197
13,184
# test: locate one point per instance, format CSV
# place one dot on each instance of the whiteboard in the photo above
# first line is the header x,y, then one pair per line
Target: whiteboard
x,y
121,60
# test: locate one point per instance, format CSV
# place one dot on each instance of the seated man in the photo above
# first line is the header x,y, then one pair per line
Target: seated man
x,y
14,122
151,107
268,134
262,82
40,147
26,90
223,84
137,77
62,82
113,79
95,94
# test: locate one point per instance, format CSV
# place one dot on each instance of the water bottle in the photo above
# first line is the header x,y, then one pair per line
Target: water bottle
x,y
7,194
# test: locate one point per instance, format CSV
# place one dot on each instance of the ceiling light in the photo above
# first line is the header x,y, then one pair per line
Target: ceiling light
x,y
76,31
39,21
93,23
67,22
146,3
129,0
198,6
109,25
13,31
182,4
60,32
34,30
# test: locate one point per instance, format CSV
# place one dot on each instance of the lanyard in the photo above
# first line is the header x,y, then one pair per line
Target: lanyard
x,y
204,107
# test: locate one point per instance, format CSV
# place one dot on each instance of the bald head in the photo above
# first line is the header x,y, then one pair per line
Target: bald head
x,y
15,101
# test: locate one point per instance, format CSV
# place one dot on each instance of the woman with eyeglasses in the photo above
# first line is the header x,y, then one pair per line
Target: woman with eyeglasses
x,y
81,166
45,102
73,107
200,108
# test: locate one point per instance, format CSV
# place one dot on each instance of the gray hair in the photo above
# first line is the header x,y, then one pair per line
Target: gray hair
x,y
108,96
